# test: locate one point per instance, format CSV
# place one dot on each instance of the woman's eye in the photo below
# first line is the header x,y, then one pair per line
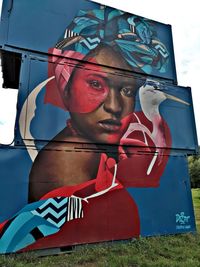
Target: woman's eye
x,y
127,91
95,84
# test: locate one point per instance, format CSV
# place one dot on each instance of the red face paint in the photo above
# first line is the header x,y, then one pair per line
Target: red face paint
x,y
100,102
61,65
87,90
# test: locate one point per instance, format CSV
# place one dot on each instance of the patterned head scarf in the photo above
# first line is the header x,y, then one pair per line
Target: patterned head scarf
x,y
134,38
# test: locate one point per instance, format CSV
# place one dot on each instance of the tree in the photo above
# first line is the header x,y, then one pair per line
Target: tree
x,y
194,170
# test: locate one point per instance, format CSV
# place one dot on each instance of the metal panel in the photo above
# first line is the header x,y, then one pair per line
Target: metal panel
x,y
42,25
114,206
118,169
45,114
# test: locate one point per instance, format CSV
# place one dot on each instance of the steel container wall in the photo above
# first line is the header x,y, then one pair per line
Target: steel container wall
x,y
102,130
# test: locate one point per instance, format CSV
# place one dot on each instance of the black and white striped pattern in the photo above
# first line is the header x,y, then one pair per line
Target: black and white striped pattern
x,y
69,33
74,209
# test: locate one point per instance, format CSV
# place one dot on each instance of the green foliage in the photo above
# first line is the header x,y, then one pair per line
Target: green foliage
x,y
194,170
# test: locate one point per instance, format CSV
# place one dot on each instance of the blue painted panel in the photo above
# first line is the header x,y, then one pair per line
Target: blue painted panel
x,y
41,25
162,209
122,154
167,209
45,121
14,165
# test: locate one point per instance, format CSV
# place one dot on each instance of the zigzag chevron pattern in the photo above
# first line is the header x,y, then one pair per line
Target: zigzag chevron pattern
x,y
38,220
91,43
59,210
54,210
53,202
162,51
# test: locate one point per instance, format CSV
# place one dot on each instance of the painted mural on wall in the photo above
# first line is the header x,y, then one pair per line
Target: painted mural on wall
x,y
76,198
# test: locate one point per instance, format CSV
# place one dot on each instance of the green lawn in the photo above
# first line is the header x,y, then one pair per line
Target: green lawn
x,y
165,251
196,201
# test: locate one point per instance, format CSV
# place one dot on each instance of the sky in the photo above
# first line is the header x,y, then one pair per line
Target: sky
x,y
184,18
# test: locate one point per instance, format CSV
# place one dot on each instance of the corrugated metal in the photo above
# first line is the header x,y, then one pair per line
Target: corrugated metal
x,y
102,132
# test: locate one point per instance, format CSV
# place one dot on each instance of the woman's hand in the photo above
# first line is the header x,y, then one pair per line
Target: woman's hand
x,y
131,147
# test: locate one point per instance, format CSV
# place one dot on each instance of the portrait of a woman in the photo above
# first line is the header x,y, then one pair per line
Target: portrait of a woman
x,y
75,197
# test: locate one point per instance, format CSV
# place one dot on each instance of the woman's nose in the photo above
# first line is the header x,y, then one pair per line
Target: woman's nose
x,y
113,103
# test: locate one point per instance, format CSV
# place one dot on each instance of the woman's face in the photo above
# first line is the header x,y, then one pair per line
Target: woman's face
x,y
101,102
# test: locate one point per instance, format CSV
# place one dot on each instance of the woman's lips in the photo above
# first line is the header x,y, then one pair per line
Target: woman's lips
x,y
110,125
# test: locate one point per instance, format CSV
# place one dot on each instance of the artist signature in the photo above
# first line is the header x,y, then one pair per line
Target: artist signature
x,y
181,218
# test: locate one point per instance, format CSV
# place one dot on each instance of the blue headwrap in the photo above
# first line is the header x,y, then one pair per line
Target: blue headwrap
x,y
133,37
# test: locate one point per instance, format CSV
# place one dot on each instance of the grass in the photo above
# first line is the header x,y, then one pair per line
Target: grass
x,y
196,201
172,251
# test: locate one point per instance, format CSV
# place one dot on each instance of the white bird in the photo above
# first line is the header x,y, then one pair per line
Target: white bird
x,y
151,95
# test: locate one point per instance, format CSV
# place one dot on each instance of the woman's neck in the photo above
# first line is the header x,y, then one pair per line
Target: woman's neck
x,y
71,129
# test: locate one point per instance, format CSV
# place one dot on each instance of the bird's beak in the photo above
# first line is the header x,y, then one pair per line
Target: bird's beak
x,y
176,99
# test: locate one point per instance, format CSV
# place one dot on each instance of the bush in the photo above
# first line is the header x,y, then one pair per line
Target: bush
x,y
194,170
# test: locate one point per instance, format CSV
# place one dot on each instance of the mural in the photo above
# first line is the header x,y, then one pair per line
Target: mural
x,y
111,114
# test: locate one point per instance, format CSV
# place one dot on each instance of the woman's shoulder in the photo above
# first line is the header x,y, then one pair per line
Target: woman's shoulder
x,y
68,151
66,139
64,161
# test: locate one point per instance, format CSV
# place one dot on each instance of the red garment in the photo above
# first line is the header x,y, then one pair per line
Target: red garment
x,y
113,215
110,216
